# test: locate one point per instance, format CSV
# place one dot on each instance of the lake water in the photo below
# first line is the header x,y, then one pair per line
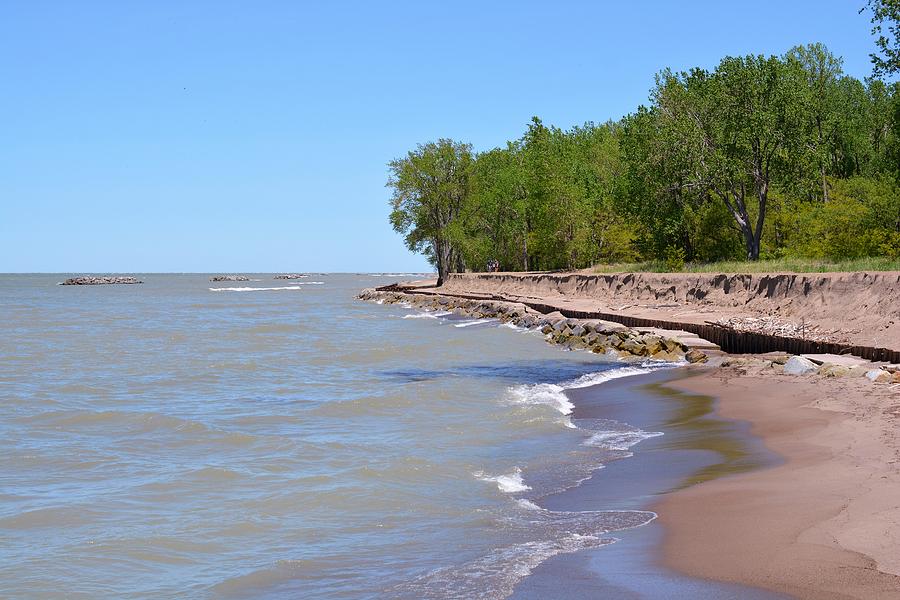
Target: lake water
x,y
275,439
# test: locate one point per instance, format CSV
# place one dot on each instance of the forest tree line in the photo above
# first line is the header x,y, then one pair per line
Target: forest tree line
x,y
761,157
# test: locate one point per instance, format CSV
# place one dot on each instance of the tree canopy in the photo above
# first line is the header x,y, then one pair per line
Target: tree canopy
x,y
762,156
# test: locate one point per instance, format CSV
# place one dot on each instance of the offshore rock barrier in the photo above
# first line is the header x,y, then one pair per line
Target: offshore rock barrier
x,y
291,276
101,281
601,337
229,278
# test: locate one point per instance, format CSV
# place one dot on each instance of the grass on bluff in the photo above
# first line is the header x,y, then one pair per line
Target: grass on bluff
x,y
781,265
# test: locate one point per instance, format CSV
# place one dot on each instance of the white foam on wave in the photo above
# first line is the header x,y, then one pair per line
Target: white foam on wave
x,y
494,575
553,394
473,322
255,289
548,394
510,483
427,315
619,440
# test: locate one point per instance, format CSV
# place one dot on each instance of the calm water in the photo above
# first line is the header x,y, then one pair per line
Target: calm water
x,y
271,439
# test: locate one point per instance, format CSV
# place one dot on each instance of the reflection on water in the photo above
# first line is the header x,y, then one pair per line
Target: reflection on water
x,y
693,419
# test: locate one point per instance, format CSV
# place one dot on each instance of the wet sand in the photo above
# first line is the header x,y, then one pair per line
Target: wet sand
x,y
825,523
697,446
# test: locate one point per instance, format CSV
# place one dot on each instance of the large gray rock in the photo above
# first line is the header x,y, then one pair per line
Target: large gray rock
x,y
797,365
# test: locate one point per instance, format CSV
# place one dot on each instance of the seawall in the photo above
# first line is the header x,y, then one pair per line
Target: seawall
x,y
855,313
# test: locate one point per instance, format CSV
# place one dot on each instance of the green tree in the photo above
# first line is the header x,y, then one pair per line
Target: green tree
x,y
430,190
729,135
886,26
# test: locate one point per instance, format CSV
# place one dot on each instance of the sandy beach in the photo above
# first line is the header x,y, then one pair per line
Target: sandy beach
x,y
825,523
823,520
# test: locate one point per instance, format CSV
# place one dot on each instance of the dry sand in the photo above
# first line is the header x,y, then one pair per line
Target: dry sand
x,y
826,523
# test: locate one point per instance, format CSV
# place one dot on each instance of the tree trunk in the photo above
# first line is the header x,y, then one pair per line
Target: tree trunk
x,y
525,247
444,255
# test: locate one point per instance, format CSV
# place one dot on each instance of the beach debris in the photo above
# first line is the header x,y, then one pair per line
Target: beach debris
x,y
104,280
229,278
797,365
771,325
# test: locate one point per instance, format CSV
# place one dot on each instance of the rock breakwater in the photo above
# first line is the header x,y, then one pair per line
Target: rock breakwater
x,y
229,278
601,337
105,280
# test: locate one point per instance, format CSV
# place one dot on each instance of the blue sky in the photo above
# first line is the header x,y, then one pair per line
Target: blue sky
x,y
253,136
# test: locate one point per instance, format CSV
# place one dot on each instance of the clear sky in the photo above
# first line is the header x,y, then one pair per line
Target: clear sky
x,y
254,136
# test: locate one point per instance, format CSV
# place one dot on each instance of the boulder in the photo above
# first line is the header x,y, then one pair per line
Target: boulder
x,y
653,343
833,370
858,371
879,376
895,378
696,356
797,365
634,346
735,361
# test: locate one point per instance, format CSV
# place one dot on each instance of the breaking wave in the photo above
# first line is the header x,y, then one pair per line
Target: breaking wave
x,y
508,484
296,286
495,575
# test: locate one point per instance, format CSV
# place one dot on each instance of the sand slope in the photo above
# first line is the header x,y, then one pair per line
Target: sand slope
x,y
860,308
826,523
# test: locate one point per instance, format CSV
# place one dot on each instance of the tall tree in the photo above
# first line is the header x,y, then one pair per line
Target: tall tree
x,y
886,26
731,133
430,190
821,97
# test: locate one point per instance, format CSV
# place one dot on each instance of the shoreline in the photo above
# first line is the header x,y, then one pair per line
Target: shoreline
x,y
696,443
824,524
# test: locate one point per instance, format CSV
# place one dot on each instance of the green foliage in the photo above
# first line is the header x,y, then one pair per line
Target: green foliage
x,y
886,26
861,218
775,157
430,192
674,259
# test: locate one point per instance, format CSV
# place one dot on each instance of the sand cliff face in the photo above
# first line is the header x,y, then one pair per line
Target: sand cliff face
x,y
863,308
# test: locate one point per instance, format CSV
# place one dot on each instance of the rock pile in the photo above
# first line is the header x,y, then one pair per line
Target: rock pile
x,y
291,276
600,337
229,278
800,365
105,280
